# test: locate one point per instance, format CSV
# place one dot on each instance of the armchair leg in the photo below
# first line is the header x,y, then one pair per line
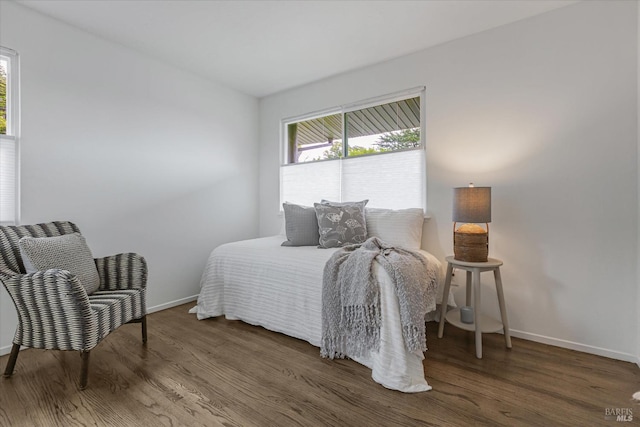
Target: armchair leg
x,y
12,360
144,329
84,373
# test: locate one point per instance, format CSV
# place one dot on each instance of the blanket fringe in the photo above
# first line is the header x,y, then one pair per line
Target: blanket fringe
x,y
351,313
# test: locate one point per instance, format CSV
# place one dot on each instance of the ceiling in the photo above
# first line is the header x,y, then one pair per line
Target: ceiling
x,y
263,47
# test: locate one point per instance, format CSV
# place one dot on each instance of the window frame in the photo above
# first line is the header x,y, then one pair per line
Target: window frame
x,y
416,92
419,92
13,124
284,132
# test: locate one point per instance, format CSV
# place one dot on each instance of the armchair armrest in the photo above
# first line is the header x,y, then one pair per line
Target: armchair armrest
x,y
53,311
122,271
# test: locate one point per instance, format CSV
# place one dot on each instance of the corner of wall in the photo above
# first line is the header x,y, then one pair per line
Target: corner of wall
x,y
638,177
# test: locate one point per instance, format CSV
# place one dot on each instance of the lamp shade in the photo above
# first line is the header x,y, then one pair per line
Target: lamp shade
x,y
472,204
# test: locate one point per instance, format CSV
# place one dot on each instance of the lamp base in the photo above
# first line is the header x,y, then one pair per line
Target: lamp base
x,y
471,247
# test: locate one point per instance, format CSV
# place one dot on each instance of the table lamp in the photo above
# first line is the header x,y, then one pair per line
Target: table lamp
x,y
471,205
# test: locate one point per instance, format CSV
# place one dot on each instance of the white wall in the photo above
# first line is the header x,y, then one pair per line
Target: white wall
x,y
140,155
544,111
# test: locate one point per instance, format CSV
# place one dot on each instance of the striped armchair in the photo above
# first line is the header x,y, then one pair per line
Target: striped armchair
x,y
54,310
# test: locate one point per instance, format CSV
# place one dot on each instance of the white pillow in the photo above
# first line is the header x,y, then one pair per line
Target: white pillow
x,y
401,227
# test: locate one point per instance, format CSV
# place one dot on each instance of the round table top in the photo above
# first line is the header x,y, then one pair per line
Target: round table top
x,y
491,262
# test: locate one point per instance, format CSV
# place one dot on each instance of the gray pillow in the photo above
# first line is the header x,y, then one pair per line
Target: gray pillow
x,y
329,202
67,252
301,225
341,224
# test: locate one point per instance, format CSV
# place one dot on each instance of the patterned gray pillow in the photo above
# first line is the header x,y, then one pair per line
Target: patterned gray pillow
x,y
341,224
67,252
301,225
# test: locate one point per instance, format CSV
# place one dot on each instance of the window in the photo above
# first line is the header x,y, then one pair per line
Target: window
x,y
9,131
370,150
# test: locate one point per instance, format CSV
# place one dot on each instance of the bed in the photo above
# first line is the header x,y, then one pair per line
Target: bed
x,y
278,287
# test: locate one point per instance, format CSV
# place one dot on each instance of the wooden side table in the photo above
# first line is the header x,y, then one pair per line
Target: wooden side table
x,y
482,323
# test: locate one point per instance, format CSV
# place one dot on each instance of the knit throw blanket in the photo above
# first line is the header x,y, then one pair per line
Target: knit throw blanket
x,y
351,315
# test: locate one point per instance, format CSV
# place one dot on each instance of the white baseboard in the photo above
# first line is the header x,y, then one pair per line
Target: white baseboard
x,y
598,351
171,304
7,349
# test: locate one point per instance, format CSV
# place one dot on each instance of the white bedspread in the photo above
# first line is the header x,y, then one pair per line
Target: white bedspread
x,y
280,288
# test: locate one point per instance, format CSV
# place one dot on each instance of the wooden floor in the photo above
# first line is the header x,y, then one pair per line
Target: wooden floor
x,y
226,373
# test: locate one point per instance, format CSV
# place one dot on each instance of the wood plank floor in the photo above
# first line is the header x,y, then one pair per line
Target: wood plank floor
x,y
218,372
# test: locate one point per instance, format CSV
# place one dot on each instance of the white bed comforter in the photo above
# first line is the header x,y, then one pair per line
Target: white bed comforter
x,y
280,288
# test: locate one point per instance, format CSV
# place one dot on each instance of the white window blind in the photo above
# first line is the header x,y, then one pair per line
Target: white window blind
x,y
390,180
9,133
8,182
308,183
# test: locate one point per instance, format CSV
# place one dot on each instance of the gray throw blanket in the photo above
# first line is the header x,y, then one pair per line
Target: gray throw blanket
x,y
351,314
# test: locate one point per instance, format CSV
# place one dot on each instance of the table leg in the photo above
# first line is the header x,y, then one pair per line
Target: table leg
x,y
503,307
476,311
468,288
445,299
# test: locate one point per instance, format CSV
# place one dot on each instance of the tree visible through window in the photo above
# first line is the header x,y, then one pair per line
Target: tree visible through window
x,y
391,141
3,97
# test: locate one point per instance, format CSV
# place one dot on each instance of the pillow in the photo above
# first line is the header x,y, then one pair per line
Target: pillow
x,y
301,225
396,227
67,252
329,202
341,224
